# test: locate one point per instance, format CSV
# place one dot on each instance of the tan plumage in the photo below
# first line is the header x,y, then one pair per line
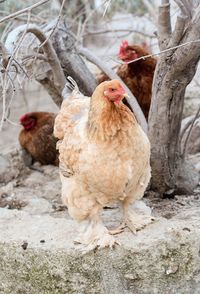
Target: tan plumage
x,y
104,157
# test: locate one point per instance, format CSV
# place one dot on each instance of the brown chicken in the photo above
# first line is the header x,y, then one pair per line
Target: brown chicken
x,y
104,157
138,76
37,137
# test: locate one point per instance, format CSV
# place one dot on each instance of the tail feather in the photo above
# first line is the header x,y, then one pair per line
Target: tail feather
x,y
73,83
70,87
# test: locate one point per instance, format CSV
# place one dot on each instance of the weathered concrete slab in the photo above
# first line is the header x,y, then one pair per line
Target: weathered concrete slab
x,y
37,254
163,258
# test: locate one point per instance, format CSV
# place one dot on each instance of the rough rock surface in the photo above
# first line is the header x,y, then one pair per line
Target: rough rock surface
x,y
37,253
11,165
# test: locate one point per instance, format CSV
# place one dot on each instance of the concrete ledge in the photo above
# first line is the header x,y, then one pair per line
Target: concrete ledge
x,y
163,258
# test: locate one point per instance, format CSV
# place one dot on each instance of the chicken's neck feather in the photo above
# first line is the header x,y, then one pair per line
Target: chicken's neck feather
x,y
109,121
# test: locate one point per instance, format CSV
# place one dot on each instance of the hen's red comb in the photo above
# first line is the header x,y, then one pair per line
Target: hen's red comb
x,y
124,44
24,117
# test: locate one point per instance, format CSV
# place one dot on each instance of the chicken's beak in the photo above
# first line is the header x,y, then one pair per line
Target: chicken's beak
x,y
120,57
126,95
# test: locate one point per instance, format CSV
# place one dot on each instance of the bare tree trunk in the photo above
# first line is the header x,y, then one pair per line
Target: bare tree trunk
x,y
174,72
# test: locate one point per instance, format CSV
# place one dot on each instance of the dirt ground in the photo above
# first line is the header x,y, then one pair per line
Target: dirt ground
x,y
37,191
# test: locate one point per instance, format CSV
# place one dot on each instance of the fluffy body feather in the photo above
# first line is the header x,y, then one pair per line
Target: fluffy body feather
x,y
104,158
138,76
37,137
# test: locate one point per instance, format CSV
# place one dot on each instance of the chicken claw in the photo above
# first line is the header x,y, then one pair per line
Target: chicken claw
x,y
95,235
135,222
118,230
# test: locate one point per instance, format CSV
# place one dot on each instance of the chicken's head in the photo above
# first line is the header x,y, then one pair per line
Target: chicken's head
x,y
113,91
28,121
128,53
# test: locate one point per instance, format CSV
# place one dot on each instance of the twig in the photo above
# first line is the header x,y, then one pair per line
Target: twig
x,y
88,32
111,74
50,34
35,18
107,4
52,58
161,52
10,60
81,30
23,10
13,123
55,26
33,56
6,29
189,132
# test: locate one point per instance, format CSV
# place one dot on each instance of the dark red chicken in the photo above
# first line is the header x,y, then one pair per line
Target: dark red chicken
x,y
138,76
37,137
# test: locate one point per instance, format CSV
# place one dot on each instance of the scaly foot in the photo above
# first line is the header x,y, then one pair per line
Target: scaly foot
x,y
95,236
118,230
136,222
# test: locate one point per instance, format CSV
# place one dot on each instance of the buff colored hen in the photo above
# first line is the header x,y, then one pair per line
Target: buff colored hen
x,y
104,157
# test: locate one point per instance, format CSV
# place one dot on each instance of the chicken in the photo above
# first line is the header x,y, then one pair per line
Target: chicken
x,y
138,76
37,137
104,157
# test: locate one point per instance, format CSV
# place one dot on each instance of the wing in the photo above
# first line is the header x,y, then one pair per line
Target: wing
x,y
71,111
70,148
46,143
70,128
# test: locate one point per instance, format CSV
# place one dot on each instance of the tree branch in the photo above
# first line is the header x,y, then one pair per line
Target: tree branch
x,y
112,75
184,8
56,24
48,84
58,75
5,55
8,63
13,15
164,24
178,31
99,32
191,36
162,52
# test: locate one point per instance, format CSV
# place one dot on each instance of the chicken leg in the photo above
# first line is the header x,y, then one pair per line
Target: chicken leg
x,y
133,220
94,234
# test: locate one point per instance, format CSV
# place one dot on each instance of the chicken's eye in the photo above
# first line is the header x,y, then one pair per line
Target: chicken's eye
x,y
112,90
